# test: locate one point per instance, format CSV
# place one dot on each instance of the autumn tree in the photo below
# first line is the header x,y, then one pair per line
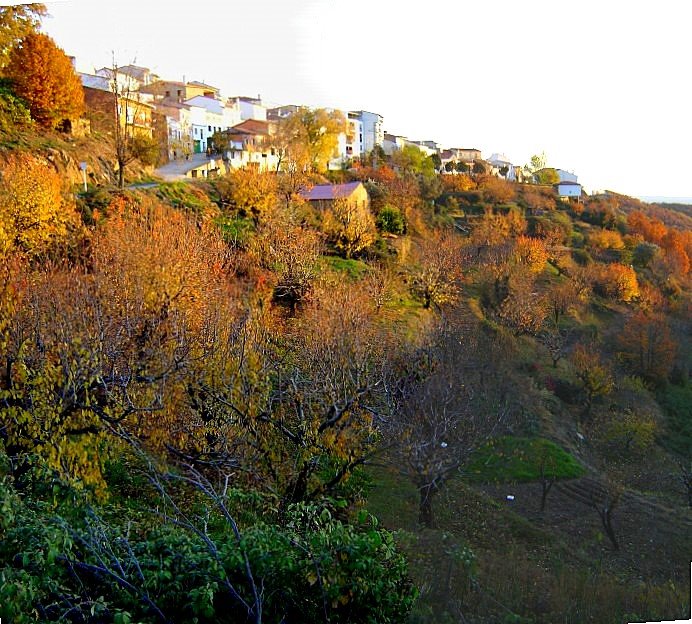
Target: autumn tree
x,y
561,299
523,310
350,227
496,190
436,279
33,212
252,192
646,347
308,139
447,409
593,374
114,347
615,281
43,76
530,253
457,183
537,199
291,252
16,22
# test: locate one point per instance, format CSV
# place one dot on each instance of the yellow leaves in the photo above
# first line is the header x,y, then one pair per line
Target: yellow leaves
x,y
350,226
531,253
606,239
615,281
33,212
250,191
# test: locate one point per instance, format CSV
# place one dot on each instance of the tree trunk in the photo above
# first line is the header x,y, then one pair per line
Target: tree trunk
x,y
546,484
606,515
425,509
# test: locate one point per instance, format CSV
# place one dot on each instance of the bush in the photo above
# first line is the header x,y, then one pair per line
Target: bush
x,y
390,219
146,150
308,566
582,257
14,113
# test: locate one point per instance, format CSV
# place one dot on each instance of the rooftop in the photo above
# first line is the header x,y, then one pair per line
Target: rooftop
x,y
329,191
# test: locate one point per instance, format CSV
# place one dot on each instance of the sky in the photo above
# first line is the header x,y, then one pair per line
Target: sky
x,y
600,86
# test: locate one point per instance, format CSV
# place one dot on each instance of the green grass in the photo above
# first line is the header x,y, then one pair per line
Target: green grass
x,y
236,230
354,269
675,401
184,196
515,459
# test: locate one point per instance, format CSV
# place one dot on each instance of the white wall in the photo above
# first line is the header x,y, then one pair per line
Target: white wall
x,y
248,110
569,190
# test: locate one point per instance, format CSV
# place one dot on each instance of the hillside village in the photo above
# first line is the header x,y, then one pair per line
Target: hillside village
x,y
184,117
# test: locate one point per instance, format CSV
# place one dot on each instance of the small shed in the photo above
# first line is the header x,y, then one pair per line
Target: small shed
x,y
324,195
568,189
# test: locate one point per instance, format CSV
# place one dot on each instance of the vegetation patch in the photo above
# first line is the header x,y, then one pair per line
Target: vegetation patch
x,y
355,269
512,459
184,196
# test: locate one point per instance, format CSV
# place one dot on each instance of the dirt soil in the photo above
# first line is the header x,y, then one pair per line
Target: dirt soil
x,y
655,539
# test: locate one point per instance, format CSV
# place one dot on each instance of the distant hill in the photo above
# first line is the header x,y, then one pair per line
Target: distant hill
x,y
673,214
677,201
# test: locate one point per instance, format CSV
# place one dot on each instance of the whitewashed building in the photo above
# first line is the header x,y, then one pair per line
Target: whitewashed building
x,y
208,116
250,107
372,129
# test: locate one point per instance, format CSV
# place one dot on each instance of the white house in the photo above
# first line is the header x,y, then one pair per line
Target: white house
x,y
373,129
498,162
349,145
209,115
250,108
568,189
179,127
250,144
566,176
393,143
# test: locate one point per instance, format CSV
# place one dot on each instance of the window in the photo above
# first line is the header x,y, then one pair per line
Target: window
x,y
168,93
209,127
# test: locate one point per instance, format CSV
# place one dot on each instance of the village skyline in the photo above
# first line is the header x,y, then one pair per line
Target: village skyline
x,y
506,82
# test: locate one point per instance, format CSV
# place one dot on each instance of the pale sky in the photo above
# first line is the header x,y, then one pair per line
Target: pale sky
x,y
601,86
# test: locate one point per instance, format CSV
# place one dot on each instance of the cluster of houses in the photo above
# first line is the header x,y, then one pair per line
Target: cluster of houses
x,y
184,116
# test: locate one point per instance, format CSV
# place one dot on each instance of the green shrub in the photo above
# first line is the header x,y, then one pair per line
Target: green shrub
x,y
14,113
390,219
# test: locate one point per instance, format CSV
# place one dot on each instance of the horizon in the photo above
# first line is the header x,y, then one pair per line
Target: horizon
x,y
508,84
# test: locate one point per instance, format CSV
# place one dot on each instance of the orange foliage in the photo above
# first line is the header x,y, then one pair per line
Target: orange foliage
x,y
457,183
160,257
531,252
652,230
646,346
43,75
615,281
538,198
382,174
497,190
677,245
